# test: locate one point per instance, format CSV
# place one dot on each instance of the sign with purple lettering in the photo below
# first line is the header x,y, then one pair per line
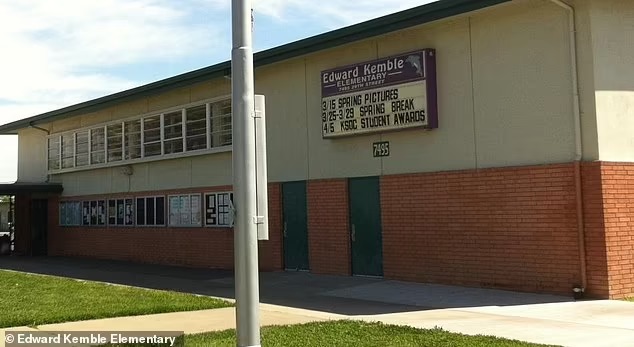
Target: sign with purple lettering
x,y
392,93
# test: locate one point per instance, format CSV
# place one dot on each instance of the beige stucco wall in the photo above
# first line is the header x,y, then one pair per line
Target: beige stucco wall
x,y
504,96
32,155
613,47
504,99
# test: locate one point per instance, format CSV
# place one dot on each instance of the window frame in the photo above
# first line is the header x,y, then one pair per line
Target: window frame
x,y
116,223
191,210
136,211
78,211
217,213
101,147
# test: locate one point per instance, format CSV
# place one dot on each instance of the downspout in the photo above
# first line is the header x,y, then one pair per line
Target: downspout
x,y
578,146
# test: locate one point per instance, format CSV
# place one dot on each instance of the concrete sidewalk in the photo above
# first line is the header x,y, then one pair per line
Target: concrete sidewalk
x,y
192,322
290,298
591,323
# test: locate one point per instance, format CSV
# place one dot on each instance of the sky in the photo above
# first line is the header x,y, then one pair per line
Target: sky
x,y
63,52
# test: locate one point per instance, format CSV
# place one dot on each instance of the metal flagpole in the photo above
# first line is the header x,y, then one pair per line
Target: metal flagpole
x,y
244,178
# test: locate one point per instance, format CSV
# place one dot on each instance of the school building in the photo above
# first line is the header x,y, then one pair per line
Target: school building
x,y
485,143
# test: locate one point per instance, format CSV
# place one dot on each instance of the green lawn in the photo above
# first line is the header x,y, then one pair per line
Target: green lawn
x,y
27,299
353,333
629,299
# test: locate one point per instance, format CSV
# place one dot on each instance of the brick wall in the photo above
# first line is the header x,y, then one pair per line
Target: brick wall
x,y
271,256
511,228
197,246
328,226
618,218
594,228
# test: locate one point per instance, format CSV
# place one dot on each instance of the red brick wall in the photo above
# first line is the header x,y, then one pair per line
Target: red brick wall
x,y
618,212
594,229
197,247
509,228
328,226
271,256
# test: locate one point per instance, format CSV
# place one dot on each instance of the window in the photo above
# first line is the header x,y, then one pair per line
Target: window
x,y
152,136
115,142
81,148
218,208
173,132
196,127
121,212
93,212
53,153
184,210
150,211
132,139
220,128
68,151
69,213
97,146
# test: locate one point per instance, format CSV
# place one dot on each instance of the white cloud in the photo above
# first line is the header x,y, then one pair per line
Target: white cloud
x,y
57,50
57,53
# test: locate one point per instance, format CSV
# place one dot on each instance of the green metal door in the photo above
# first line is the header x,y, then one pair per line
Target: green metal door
x,y
295,226
365,226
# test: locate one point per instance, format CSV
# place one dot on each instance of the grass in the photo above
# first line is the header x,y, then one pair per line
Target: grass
x,y
27,299
630,299
353,333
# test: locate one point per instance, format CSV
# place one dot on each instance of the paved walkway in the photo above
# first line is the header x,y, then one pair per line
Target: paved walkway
x,y
301,297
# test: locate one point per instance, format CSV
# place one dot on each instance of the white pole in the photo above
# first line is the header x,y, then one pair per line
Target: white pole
x,y
244,178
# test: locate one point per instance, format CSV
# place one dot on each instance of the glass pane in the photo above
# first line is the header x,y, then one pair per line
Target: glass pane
x,y
210,209
133,139
186,210
149,213
120,212
174,210
195,210
153,149
152,135
140,211
97,143
152,129
221,123
129,212
173,146
53,153
173,125
93,213
112,212
196,127
160,211
68,151
101,212
115,142
85,213
81,148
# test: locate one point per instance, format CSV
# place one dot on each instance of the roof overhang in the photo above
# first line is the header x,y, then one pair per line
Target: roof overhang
x,y
383,25
26,188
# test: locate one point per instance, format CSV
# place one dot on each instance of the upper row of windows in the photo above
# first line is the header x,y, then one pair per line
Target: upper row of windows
x,y
189,129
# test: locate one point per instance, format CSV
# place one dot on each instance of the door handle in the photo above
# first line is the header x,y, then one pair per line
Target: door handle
x,y
353,233
285,233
